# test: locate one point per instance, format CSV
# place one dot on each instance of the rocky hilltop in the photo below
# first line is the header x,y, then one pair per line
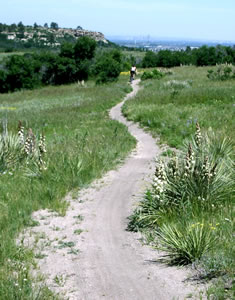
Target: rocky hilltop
x,y
44,36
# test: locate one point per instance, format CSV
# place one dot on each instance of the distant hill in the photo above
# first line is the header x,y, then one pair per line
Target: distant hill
x,y
17,36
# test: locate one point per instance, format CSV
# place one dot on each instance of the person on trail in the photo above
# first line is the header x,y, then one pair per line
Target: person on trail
x,y
132,73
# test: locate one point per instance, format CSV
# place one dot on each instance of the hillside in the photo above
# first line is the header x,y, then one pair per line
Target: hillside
x,y
43,36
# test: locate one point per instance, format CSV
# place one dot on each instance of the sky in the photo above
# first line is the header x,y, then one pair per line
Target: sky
x,y
187,19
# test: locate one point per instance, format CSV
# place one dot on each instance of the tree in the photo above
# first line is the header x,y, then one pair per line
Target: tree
x,y
45,25
108,67
149,60
35,25
20,26
84,48
54,26
51,38
22,72
12,27
67,50
21,30
3,84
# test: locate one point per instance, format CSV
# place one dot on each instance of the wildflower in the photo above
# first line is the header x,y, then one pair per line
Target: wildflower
x,y
189,160
21,133
42,144
206,169
198,136
29,145
42,151
174,166
159,180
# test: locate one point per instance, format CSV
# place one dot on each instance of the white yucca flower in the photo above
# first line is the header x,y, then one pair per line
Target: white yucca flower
x,y
198,135
159,179
189,161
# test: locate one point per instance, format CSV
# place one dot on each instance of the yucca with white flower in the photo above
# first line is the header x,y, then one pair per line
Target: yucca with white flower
x,y
21,151
159,180
202,174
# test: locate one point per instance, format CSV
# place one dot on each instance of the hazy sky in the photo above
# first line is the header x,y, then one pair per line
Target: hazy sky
x,y
197,19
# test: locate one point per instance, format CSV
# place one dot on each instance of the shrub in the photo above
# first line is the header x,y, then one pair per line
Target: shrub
x,y
155,74
22,151
108,67
223,72
176,86
203,173
22,72
149,60
84,48
188,244
202,176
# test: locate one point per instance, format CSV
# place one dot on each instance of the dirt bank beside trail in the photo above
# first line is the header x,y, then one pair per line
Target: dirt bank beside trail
x,y
104,261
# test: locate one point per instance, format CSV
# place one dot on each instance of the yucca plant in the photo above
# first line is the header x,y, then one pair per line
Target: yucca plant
x,y
11,152
204,171
185,245
201,177
22,151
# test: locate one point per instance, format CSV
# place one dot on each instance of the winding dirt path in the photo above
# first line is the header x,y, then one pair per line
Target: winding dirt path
x,y
105,261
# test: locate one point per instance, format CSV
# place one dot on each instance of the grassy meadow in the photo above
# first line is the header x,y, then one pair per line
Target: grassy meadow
x,y
3,54
171,112
82,144
189,212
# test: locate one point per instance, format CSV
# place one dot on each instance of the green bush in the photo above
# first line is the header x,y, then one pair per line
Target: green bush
x,y
33,70
223,72
84,48
155,74
108,67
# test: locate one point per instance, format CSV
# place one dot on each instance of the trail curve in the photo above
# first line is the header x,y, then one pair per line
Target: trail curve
x,y
112,263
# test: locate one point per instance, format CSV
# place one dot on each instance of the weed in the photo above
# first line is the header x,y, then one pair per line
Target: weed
x,y
79,217
78,231
65,245
60,280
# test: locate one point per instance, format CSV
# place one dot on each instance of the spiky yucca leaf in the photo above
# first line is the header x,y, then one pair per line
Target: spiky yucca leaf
x,y
185,245
11,151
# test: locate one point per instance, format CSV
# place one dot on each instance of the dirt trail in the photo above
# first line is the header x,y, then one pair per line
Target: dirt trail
x,y
105,261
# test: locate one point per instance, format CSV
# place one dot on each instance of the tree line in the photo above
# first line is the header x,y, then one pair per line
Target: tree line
x,y
74,62
203,56
20,26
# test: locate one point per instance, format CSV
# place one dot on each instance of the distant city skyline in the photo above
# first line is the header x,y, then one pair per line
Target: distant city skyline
x,y
173,19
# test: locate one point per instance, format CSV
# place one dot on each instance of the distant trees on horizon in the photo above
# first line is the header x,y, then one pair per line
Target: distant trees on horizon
x,y
203,56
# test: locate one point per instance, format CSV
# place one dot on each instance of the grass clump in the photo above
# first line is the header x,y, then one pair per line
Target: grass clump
x,y
223,72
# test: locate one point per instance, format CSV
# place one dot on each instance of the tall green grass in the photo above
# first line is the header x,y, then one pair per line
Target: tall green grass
x,y
82,143
170,108
172,113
